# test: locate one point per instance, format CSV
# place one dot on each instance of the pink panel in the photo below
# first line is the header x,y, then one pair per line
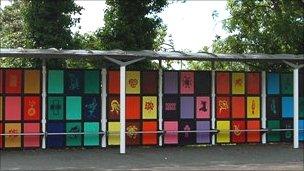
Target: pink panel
x,y
171,137
13,108
202,107
187,82
31,141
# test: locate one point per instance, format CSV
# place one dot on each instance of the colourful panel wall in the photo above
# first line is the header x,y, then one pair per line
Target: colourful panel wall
x,y
238,109
189,109
73,106
20,107
280,106
141,107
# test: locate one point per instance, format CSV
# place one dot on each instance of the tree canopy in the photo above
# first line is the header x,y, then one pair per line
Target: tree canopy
x,y
265,26
49,22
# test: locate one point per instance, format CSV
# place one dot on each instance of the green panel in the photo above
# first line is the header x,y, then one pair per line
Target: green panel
x,y
91,82
73,108
73,140
273,136
91,139
301,107
55,81
287,83
55,108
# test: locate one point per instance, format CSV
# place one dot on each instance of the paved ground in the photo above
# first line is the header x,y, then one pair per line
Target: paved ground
x,y
241,157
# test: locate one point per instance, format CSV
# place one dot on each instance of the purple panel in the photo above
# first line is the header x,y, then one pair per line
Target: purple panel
x,y
187,107
202,137
170,82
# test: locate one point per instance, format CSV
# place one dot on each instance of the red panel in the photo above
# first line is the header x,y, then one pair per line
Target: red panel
x,y
1,81
13,81
150,138
223,107
238,107
237,136
12,108
222,83
114,81
133,138
113,108
1,131
253,83
32,108
253,136
31,140
133,107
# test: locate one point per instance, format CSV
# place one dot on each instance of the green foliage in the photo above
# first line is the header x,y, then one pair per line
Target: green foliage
x,y
133,25
264,26
49,22
13,35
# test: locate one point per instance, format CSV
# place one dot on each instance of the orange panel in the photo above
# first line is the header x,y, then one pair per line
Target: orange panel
x,y
253,136
222,83
238,107
133,107
113,82
149,138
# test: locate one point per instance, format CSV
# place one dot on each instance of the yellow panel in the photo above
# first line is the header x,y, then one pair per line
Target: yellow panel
x,y
223,137
1,108
149,107
253,107
12,140
133,82
238,83
32,81
114,129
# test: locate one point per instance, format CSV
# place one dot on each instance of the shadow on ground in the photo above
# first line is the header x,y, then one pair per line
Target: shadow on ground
x,y
240,157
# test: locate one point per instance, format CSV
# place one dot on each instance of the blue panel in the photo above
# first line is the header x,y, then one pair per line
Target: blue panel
x,y
55,141
91,108
73,82
273,83
301,132
287,107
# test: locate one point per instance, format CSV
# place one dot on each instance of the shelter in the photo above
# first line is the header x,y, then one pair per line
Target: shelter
x,y
125,58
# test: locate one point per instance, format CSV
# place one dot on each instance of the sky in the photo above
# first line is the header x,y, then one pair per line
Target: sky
x,y
190,23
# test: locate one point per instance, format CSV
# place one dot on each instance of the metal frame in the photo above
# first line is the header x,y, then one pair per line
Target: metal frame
x,y
296,68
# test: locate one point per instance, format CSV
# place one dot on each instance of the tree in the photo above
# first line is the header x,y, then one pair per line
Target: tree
x,y
133,25
13,34
49,22
12,28
265,26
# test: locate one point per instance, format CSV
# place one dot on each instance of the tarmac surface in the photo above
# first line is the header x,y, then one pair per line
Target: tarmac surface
x,y
228,157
